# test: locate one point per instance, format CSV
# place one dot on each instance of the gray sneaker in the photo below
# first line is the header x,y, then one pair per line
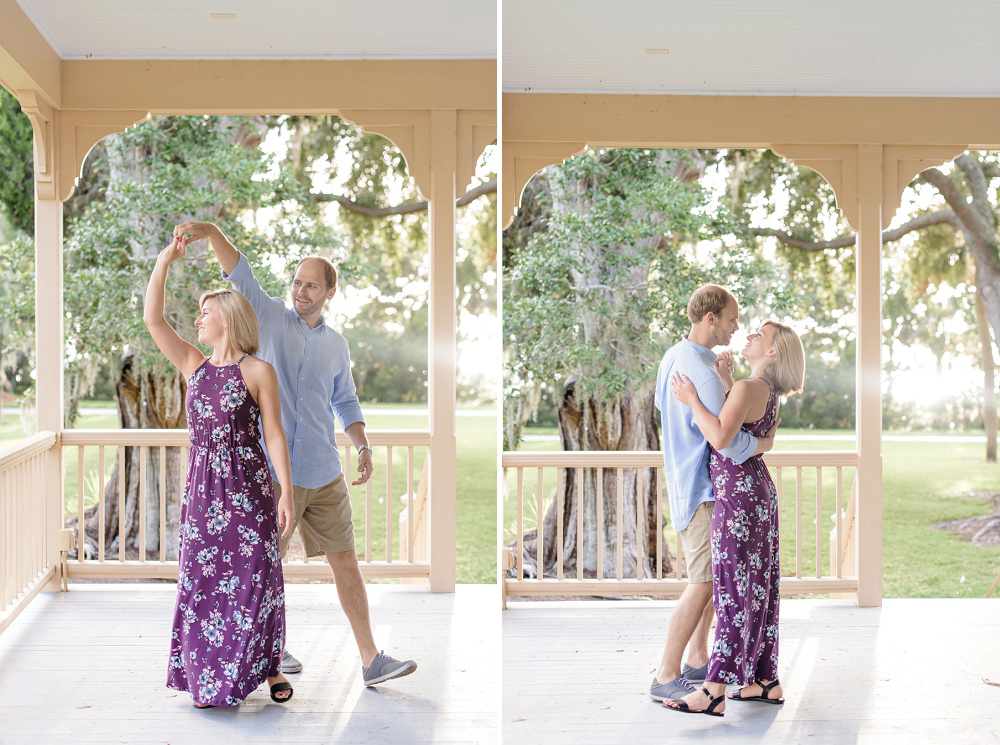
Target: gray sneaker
x,y
674,689
289,664
694,673
385,668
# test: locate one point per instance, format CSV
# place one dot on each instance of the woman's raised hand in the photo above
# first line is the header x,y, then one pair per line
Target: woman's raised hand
x,y
171,253
683,389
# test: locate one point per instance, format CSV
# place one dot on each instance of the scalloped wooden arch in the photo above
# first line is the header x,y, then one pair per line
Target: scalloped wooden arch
x,y
64,138
521,161
420,136
839,165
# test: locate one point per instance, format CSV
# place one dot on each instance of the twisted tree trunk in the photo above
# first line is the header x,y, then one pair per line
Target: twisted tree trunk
x,y
626,424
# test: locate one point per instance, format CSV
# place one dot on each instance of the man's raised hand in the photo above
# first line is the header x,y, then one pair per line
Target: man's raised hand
x,y
188,232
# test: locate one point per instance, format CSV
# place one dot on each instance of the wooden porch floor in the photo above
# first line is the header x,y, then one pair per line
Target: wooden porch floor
x,y
89,666
908,673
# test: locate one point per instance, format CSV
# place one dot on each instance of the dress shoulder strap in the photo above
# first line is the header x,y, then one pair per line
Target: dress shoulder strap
x,y
242,358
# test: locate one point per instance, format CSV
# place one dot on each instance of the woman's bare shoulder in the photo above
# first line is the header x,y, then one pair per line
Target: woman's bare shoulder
x,y
256,368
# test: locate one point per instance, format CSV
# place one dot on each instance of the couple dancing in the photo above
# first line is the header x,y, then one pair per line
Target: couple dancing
x,y
724,504
229,623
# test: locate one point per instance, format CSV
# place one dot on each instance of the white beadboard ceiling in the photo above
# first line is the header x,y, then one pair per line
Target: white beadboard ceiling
x,y
760,47
267,29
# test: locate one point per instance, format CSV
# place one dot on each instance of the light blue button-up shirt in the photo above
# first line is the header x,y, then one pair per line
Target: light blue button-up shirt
x,y
685,449
314,380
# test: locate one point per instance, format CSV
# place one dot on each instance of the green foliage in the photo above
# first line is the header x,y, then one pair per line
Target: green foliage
x,y
601,286
159,173
388,333
17,199
17,312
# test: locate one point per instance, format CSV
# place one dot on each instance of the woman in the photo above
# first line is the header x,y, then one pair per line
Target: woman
x,y
745,569
229,624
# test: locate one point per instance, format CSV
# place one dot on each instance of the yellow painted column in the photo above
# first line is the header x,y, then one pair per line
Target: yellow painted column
x,y
49,358
442,331
869,375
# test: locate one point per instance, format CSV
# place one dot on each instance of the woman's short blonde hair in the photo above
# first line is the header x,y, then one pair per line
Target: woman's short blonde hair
x,y
238,316
788,371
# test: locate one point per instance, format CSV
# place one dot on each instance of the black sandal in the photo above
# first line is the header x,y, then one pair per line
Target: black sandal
x,y
278,688
762,698
713,701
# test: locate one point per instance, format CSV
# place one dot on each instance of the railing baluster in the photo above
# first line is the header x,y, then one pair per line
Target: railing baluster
x,y
409,503
388,504
560,485
619,522
20,504
600,522
640,500
838,556
40,526
819,512
163,503
368,519
143,455
539,524
579,523
659,523
79,503
520,523
798,521
100,510
121,504
7,534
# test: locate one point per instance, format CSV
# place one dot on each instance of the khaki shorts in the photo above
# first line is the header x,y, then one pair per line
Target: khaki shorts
x,y
697,541
322,516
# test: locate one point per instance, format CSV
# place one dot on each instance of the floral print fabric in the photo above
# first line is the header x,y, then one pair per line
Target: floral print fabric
x,y
229,623
745,567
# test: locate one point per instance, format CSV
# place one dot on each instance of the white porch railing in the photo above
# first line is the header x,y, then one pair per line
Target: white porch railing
x,y
90,454
28,555
803,547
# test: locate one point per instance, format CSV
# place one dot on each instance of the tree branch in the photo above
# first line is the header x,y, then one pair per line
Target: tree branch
x,y
955,199
917,223
487,187
991,170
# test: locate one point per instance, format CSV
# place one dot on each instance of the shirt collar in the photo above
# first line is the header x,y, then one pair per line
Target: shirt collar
x,y
699,349
320,325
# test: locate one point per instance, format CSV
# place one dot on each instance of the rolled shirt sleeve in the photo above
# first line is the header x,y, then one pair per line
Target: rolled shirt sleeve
x,y
345,398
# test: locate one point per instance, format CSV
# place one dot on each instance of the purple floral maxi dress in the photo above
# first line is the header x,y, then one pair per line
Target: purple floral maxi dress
x,y
745,568
229,624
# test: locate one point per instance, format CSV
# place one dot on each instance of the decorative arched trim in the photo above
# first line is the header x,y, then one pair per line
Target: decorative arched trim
x,y
79,132
476,129
44,124
839,165
902,163
521,161
407,129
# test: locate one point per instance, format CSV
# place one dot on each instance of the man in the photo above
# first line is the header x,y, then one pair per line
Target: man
x,y
313,365
714,315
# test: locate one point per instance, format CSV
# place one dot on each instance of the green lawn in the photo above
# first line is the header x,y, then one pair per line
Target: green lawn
x,y
921,482
476,489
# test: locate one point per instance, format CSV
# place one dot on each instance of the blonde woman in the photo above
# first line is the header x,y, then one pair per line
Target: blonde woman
x,y
229,623
745,568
